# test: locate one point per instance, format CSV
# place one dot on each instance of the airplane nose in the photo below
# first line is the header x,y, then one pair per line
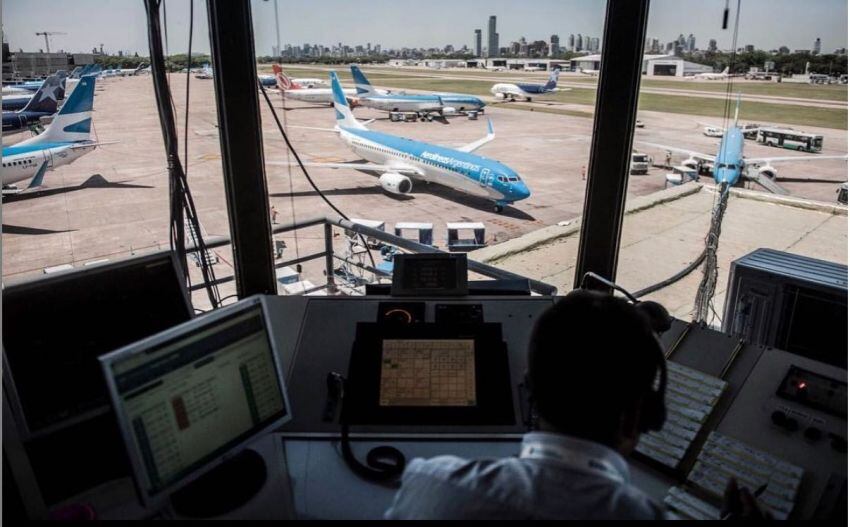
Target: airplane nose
x,y
521,191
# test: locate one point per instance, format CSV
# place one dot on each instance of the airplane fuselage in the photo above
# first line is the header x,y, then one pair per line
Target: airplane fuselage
x,y
14,121
315,95
468,173
402,103
518,91
23,162
730,157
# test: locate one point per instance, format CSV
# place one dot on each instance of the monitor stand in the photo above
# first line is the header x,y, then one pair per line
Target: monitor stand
x,y
223,489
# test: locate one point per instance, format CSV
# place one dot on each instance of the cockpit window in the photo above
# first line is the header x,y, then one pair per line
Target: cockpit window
x,y
503,179
513,178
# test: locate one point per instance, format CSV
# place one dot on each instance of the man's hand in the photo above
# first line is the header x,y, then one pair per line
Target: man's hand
x,y
739,504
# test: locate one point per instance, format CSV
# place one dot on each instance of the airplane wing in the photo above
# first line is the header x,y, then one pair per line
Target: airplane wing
x,y
768,160
692,153
371,167
475,145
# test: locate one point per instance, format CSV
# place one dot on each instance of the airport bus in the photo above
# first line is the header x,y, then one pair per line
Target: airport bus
x,y
792,139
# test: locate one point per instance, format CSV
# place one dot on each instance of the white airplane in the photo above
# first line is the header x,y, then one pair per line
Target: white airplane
x,y
723,75
400,161
291,89
205,73
65,139
129,72
592,73
504,90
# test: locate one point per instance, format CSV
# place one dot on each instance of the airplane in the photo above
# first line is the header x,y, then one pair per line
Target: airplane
x,y
291,89
448,103
729,165
205,73
306,82
723,75
400,161
30,86
64,140
43,104
592,73
371,98
130,72
505,90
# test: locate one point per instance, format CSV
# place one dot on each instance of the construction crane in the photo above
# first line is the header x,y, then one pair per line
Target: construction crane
x,y
46,34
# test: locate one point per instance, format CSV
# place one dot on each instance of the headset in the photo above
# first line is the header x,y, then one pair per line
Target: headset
x,y
654,411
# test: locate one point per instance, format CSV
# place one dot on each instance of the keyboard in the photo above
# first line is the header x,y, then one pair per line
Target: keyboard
x,y
723,457
687,506
691,397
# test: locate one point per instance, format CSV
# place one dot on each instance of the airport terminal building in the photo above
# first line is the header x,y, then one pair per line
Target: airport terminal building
x,y
653,65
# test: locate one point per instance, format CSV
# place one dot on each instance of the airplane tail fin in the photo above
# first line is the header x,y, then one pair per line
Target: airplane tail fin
x,y
47,96
344,117
282,81
73,122
553,79
725,70
363,85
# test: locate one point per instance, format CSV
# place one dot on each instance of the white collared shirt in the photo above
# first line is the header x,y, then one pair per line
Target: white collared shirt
x,y
555,477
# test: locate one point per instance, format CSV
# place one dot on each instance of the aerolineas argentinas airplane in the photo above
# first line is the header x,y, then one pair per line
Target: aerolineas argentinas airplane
x,y
66,138
442,103
729,166
292,89
505,90
402,161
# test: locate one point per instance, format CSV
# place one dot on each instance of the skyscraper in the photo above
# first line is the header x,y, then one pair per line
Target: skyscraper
x,y
554,45
492,38
579,42
712,45
572,42
587,43
816,47
477,42
692,42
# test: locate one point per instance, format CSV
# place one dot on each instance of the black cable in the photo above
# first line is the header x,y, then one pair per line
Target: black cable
x,y
180,195
307,174
673,279
188,79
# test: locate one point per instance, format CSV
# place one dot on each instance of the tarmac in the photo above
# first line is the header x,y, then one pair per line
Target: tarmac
x,y
114,202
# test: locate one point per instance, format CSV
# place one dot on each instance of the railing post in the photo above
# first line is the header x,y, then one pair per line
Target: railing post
x,y
329,257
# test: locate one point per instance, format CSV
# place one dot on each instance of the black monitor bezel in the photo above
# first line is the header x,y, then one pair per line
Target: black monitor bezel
x,y
494,395
404,263
22,422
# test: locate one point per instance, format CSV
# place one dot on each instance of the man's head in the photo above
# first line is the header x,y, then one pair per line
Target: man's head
x,y
593,361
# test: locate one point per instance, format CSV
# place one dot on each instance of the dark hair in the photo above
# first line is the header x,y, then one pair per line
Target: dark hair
x,y
590,356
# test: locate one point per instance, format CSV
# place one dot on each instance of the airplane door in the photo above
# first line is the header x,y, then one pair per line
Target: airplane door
x,y
48,156
484,176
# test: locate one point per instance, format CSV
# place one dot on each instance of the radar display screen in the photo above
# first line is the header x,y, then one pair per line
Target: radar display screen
x,y
428,372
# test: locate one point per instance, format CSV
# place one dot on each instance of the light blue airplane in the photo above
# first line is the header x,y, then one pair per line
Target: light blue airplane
x,y
729,166
402,161
442,103
65,139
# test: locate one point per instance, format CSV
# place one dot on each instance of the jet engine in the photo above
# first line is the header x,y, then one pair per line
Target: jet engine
x,y
691,163
449,110
768,171
395,183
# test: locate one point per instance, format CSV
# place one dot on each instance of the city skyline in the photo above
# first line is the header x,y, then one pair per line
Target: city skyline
x,y
121,27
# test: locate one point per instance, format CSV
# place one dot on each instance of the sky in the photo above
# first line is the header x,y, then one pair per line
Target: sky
x,y
121,24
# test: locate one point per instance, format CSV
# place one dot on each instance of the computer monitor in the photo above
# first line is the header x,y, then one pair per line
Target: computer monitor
x,y
192,397
56,326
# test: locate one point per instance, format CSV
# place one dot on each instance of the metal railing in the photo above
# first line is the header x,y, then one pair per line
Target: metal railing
x,y
329,222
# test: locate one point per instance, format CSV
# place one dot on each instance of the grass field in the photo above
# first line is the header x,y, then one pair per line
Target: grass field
x,y
680,104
